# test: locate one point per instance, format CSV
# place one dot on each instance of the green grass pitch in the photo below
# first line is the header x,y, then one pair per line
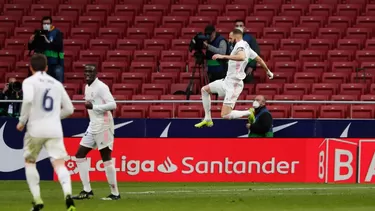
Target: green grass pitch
x,y
15,196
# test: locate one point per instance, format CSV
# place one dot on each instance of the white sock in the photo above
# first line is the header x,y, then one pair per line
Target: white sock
x,y
64,178
237,114
83,168
110,172
206,100
33,179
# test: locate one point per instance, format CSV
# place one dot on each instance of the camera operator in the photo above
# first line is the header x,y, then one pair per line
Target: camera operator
x,y
215,45
49,41
252,65
12,91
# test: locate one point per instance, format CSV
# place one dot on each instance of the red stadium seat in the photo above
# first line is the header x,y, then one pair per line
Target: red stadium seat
x,y
145,67
172,66
200,21
302,32
372,89
101,10
129,44
280,77
145,98
340,55
312,21
117,67
306,77
349,44
304,111
173,56
330,33
365,21
185,77
83,33
125,89
156,10
276,32
287,97
321,9
294,44
324,89
174,21
108,78
75,44
315,97
164,78
101,44
285,21
119,21
270,89
283,55
295,10
266,10
258,21
24,32
156,44
268,44
19,76
16,44
42,9
189,111
333,111
335,77
181,87
279,111
311,55
368,97
111,33
362,78
321,44
119,55
297,89
71,88
9,21
134,78
344,97
362,112
315,66
10,55
129,10
365,55
71,10
154,89
183,10
236,10
91,55
343,66
146,55
353,89
248,89
134,111
370,44
166,33
173,97
340,21
147,21
138,33
161,111
80,111
369,66
291,66
209,10
15,9
90,21
359,33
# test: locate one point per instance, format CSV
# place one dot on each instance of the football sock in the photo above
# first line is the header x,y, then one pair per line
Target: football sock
x,y
65,181
110,172
237,114
206,99
83,168
33,179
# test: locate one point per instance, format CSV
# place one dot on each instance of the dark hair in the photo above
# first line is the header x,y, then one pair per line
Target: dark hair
x,y
237,31
47,18
38,62
91,66
239,20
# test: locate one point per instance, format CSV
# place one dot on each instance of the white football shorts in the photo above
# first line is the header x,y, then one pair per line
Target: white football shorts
x,y
32,146
100,140
230,90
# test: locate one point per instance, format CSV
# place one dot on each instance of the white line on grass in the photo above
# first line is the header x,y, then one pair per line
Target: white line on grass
x,y
205,191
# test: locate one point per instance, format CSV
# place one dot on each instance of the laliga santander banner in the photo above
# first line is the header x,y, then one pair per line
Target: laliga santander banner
x,y
233,160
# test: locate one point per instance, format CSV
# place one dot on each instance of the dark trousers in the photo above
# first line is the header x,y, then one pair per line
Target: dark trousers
x,y
56,71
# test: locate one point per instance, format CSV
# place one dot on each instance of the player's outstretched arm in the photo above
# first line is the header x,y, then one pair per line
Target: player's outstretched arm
x,y
28,95
109,104
66,104
265,67
240,56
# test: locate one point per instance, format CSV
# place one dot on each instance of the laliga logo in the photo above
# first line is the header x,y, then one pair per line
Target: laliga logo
x,y
131,167
70,162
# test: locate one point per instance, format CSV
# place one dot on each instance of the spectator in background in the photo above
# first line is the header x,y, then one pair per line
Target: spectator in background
x,y
49,41
260,121
11,91
252,65
216,45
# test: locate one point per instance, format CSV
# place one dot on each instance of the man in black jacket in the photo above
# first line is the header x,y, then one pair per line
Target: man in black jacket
x,y
260,121
252,65
49,41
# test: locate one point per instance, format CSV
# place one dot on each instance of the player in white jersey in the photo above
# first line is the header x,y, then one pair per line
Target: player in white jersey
x,y
99,134
231,86
45,103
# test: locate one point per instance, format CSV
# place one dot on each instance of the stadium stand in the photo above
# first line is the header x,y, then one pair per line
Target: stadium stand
x,y
314,48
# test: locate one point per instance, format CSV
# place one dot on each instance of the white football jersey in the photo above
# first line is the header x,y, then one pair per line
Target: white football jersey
x,y
45,102
103,103
236,69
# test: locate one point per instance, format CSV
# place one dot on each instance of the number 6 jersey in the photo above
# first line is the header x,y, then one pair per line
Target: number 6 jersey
x,y
45,102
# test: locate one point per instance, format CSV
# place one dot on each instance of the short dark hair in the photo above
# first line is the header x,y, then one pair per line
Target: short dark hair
x,y
91,66
38,62
239,20
47,18
237,31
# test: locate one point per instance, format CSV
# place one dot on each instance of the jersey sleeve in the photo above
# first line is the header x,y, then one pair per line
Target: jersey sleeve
x,y
66,104
28,95
109,103
252,54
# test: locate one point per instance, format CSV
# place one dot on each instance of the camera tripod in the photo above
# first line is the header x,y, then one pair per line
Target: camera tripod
x,y
199,64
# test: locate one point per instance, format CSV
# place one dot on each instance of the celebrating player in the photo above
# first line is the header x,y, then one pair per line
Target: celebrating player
x,y
45,103
231,86
99,134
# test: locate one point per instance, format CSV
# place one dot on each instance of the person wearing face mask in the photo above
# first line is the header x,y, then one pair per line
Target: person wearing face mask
x,y
260,119
215,45
252,65
49,41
